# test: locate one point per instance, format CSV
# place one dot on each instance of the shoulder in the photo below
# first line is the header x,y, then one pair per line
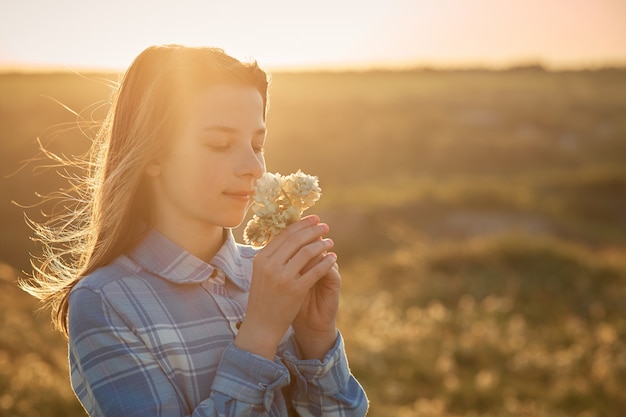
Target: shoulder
x,y
91,300
121,294
120,269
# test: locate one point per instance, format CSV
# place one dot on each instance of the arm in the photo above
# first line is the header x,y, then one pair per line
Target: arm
x,y
283,274
295,282
114,372
317,360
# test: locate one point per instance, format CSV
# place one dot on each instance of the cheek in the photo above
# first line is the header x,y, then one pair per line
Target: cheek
x,y
207,174
181,173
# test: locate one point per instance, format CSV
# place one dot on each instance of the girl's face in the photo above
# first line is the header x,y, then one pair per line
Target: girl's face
x,y
207,177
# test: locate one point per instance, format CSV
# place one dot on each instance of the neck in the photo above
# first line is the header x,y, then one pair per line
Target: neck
x,y
203,242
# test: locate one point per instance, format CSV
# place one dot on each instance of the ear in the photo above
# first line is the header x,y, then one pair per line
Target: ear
x,y
153,169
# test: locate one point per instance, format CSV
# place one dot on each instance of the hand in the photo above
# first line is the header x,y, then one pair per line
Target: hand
x,y
280,284
315,326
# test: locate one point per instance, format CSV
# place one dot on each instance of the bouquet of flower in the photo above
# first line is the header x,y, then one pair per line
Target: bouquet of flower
x,y
279,201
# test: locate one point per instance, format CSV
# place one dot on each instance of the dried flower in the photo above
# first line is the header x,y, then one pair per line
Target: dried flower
x,y
279,201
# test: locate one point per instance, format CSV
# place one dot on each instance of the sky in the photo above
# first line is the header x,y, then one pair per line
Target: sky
x,y
293,34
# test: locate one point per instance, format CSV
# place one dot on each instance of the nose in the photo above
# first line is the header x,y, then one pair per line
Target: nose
x,y
251,164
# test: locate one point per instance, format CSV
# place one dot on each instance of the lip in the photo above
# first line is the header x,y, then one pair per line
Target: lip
x,y
242,195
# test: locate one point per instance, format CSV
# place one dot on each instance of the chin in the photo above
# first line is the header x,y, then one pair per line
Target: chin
x,y
233,224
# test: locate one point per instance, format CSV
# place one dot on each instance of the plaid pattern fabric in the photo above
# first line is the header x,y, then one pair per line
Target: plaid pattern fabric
x,y
152,334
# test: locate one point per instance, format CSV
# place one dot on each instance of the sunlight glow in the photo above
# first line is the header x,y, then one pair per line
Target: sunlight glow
x,y
326,33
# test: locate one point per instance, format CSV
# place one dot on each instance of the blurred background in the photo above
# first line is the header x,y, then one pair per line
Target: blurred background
x,y
472,157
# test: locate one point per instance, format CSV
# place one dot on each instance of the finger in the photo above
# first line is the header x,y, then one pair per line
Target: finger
x,y
275,244
308,256
312,262
320,270
315,260
295,242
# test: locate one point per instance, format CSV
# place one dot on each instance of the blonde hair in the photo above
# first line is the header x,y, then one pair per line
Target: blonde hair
x,y
107,211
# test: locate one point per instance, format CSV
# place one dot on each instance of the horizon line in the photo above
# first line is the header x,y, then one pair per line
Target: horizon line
x,y
354,67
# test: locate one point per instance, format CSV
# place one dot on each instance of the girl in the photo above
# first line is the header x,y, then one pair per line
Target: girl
x,y
166,314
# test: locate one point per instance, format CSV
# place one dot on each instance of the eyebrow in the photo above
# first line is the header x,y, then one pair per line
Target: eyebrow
x,y
227,129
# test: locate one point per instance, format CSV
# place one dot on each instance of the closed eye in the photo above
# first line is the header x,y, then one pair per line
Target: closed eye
x,y
217,141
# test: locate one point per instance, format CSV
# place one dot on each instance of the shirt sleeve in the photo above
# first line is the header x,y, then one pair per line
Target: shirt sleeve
x,y
113,373
324,387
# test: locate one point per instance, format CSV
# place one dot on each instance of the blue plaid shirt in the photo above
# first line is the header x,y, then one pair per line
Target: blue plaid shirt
x,y
152,334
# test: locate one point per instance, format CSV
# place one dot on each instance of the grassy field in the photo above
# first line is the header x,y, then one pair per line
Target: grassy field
x,y
480,220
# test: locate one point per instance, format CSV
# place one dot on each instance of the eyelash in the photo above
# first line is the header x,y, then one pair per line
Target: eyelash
x,y
224,148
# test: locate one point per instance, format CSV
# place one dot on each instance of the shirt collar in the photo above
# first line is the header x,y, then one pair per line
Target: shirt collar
x,y
162,257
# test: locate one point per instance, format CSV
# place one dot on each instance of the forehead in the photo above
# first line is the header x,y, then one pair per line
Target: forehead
x,y
228,105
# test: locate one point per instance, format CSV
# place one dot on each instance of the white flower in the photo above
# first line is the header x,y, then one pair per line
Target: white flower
x,y
278,202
